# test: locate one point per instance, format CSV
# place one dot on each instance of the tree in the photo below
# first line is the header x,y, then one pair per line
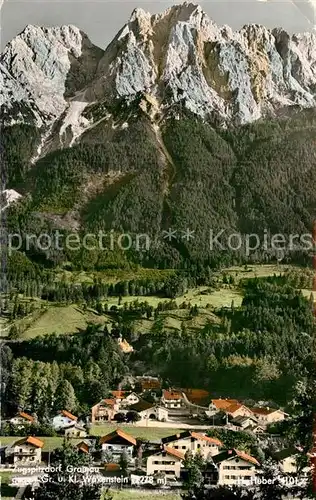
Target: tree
x,y
66,398
124,461
132,416
60,482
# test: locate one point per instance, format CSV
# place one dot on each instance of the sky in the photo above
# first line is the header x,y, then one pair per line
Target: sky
x,y
102,19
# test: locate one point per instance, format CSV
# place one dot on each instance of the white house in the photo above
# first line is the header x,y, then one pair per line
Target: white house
x,y
172,399
116,443
125,398
22,419
194,442
150,411
26,451
235,467
63,420
167,462
268,415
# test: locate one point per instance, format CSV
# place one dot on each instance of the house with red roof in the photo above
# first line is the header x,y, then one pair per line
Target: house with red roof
x,y
268,415
168,462
23,418
195,442
116,443
63,419
172,399
25,451
104,410
236,467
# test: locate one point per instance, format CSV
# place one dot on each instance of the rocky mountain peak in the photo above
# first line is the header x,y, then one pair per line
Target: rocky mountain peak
x,y
178,57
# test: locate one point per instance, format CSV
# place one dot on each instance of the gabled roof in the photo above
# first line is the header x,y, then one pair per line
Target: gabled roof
x,y
230,454
266,411
202,437
189,434
26,416
197,396
82,446
223,404
235,407
120,394
118,433
73,425
170,395
67,414
287,452
174,453
141,405
38,443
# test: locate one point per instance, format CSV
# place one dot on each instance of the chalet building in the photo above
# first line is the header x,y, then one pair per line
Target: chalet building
x,y
63,420
235,467
288,460
26,451
75,430
268,416
149,411
125,398
167,462
147,383
22,418
172,399
104,411
232,407
86,446
193,442
116,443
248,424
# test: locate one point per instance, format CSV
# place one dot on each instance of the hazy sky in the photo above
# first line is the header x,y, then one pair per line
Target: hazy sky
x,y
102,19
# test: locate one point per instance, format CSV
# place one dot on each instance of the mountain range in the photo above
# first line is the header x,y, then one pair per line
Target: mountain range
x,y
177,123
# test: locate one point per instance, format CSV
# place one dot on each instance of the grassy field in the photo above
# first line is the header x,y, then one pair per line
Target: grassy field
x,y
50,443
151,433
139,495
60,320
7,492
113,275
49,318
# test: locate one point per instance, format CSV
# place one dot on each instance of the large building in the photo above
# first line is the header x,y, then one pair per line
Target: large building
x,y
150,411
168,462
172,399
235,467
104,410
194,442
26,451
116,443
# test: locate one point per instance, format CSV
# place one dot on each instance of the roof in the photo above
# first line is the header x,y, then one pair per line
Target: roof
x,y
202,437
74,425
149,383
234,407
38,443
112,467
142,405
265,411
197,396
26,416
195,435
287,452
118,433
67,414
222,404
171,394
83,446
120,394
174,453
109,402
242,418
229,454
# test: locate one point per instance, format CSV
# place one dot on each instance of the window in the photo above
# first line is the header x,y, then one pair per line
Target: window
x,y
176,447
169,472
155,462
198,446
184,447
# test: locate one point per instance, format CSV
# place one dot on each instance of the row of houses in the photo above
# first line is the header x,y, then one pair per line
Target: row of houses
x,y
179,403
225,466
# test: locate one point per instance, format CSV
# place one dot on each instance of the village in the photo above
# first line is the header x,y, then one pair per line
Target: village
x,y
121,459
